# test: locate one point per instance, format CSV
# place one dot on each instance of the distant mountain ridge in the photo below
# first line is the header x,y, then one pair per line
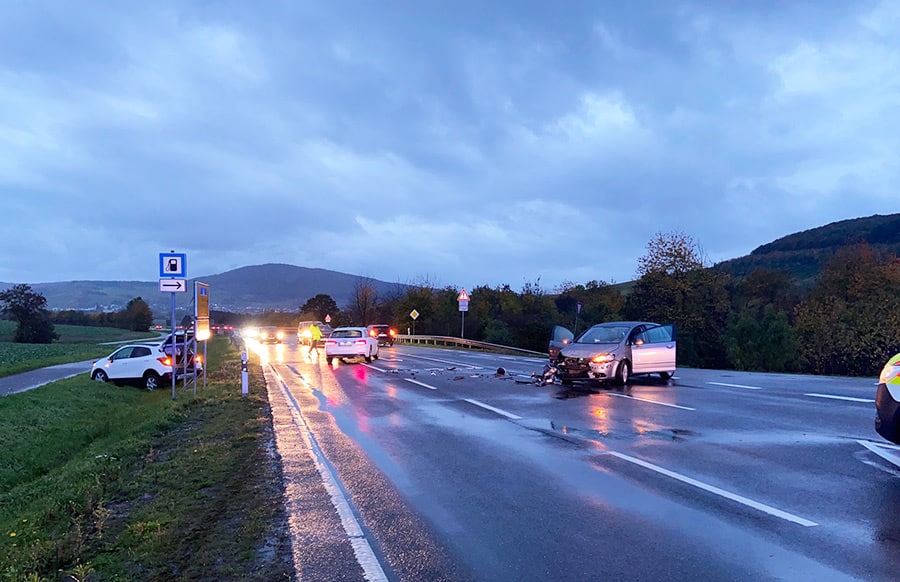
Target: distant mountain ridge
x,y
275,286
805,253
270,286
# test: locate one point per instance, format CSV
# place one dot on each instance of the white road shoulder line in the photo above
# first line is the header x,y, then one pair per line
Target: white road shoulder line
x,y
717,491
834,397
735,385
363,551
508,415
652,401
420,383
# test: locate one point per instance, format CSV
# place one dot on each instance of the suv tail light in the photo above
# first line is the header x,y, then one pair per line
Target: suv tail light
x,y
373,333
165,360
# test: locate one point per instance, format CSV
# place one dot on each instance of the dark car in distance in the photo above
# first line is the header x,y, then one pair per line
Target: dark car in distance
x,y
382,332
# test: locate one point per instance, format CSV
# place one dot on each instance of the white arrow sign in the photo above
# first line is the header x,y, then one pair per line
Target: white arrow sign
x,y
173,285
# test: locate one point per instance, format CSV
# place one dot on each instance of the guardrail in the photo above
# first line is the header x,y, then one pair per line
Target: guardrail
x,y
456,342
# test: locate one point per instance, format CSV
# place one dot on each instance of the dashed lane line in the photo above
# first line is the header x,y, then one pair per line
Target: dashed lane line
x,y
717,491
508,415
735,385
653,401
423,384
835,397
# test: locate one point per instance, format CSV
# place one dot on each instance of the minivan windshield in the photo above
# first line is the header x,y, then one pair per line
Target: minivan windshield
x,y
604,334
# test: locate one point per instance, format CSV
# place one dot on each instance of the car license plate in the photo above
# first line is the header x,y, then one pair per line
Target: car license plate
x,y
346,343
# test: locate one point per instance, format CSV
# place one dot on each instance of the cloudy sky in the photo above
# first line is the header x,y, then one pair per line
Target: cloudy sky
x,y
460,143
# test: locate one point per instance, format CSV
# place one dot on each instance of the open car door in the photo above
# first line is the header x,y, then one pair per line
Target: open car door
x,y
654,351
560,337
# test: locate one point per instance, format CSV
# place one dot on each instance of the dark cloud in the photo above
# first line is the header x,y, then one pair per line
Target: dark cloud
x,y
468,142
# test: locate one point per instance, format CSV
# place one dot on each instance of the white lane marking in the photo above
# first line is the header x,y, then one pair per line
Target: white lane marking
x,y
420,383
365,555
833,397
473,366
375,367
881,452
508,415
736,385
717,491
652,401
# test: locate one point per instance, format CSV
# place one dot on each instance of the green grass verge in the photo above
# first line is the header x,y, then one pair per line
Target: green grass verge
x,y
76,343
103,482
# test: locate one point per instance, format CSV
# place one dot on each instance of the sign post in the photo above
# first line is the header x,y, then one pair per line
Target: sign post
x,y
463,299
415,315
172,272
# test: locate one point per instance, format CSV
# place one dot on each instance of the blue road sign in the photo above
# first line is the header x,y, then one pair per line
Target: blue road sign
x,y
172,265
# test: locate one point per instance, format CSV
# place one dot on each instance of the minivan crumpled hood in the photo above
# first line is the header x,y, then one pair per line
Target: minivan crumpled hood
x,y
588,350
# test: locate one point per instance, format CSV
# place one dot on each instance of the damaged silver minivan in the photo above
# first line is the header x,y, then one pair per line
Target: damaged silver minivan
x,y
613,351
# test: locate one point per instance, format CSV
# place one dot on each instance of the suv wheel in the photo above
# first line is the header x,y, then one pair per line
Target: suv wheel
x,y
151,380
100,376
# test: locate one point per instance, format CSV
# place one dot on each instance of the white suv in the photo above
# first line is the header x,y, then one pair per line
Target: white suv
x,y
143,363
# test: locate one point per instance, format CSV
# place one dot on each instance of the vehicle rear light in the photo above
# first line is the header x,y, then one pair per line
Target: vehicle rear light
x,y
361,342
330,342
392,331
165,361
373,333
198,359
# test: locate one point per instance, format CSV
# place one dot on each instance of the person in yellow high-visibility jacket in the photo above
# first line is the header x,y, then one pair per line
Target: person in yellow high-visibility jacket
x,y
315,336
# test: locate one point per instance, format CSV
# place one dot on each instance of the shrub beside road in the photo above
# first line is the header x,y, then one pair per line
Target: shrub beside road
x,y
120,483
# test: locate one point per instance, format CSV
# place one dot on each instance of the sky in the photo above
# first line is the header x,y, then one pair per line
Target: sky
x,y
462,143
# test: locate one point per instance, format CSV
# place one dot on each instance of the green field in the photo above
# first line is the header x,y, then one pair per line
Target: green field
x,y
76,343
99,482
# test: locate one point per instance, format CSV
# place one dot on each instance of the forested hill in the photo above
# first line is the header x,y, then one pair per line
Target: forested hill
x,y
803,254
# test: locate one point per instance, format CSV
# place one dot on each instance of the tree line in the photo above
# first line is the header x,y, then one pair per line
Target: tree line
x,y
847,322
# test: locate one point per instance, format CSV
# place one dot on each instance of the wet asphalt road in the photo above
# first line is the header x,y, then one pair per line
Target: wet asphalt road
x,y
454,472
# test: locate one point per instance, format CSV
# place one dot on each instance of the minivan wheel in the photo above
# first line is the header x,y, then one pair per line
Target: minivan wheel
x,y
151,380
622,373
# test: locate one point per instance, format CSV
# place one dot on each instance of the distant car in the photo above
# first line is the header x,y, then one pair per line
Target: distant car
x,y
351,342
145,364
270,335
887,401
304,336
613,351
384,333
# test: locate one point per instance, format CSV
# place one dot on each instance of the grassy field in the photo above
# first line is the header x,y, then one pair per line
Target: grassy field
x,y
99,482
76,343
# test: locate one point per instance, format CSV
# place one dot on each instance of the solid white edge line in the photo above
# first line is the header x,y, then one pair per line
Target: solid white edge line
x,y
735,385
420,383
652,401
365,555
492,409
717,491
834,397
879,450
